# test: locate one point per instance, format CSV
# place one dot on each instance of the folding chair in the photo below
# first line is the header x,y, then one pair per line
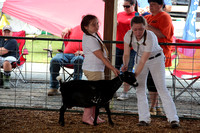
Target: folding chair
x,y
187,69
18,65
23,51
66,67
75,33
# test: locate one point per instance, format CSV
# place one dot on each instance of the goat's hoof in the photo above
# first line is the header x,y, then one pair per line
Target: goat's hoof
x,y
62,123
95,124
112,124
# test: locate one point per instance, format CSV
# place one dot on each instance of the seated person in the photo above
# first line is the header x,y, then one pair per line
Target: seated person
x,y
73,54
9,52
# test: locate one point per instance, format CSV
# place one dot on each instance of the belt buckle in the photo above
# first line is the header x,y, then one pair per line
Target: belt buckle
x,y
151,58
158,55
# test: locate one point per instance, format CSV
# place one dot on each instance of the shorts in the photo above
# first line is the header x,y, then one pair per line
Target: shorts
x,y
8,58
94,75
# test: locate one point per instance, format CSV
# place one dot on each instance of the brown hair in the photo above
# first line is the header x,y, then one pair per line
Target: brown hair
x,y
160,2
138,20
133,2
86,21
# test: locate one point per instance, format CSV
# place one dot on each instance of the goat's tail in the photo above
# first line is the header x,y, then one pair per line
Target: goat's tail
x,y
59,78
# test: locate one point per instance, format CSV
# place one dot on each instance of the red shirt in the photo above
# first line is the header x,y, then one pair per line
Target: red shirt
x,y
123,25
72,47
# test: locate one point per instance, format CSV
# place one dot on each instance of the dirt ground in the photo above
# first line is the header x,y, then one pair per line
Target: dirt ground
x,y
34,121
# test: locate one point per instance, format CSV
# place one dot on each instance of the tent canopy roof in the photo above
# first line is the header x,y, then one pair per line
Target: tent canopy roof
x,y
53,16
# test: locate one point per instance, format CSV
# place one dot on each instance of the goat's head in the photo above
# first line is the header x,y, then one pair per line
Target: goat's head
x,y
129,78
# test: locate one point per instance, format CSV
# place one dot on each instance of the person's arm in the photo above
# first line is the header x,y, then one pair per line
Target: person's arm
x,y
155,31
3,51
99,54
144,58
66,32
167,8
126,57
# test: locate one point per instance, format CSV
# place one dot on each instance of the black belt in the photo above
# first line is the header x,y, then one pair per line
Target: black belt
x,y
159,54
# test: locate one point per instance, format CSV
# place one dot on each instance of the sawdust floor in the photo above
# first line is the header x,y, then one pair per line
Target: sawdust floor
x,y
34,121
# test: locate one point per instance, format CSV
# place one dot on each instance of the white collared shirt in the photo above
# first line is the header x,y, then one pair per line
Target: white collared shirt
x,y
151,43
91,62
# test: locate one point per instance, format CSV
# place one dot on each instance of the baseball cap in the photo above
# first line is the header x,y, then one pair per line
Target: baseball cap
x,y
7,27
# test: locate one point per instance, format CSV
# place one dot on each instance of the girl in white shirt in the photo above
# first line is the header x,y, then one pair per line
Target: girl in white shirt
x,y
95,59
149,57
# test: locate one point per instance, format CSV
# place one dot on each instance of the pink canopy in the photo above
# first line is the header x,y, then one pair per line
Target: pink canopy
x,y
54,15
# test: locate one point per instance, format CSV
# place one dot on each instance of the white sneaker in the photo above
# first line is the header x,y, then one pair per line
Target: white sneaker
x,y
123,96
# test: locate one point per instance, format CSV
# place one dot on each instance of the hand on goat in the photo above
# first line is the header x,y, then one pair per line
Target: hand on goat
x,y
124,68
116,71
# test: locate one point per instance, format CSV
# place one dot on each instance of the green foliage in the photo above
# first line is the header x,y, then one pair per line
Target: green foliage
x,y
36,52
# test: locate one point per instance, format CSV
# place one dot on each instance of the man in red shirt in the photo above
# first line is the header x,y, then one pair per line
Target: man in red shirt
x,y
73,54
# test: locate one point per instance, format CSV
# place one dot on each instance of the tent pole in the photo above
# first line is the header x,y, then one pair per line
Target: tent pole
x,y
1,15
188,8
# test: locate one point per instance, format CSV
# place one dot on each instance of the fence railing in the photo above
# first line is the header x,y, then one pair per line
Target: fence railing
x,y
33,93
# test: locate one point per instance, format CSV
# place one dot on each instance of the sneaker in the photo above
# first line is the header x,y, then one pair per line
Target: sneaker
x,y
53,92
175,124
159,111
6,83
123,96
152,111
143,123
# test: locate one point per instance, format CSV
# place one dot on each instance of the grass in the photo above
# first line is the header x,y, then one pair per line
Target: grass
x,y
36,52
38,55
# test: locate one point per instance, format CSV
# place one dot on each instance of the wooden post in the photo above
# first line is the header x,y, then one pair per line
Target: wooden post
x,y
109,34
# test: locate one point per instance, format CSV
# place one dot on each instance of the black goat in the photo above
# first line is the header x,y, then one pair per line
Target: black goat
x,y
86,93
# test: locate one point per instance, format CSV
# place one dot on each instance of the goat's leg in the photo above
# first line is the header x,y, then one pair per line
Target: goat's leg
x,y
62,112
109,114
96,115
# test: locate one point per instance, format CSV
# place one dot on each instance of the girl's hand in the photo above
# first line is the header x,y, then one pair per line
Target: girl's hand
x,y
124,68
116,72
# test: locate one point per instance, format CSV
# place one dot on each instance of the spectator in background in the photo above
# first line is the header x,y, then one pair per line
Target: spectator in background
x,y
9,52
123,25
160,23
143,6
73,54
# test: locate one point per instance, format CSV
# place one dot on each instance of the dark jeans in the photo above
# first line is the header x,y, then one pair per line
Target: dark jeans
x,y
119,59
61,59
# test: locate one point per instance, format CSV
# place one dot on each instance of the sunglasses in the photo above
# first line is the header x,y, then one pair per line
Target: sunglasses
x,y
126,6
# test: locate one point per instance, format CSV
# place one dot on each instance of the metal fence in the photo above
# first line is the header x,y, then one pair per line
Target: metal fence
x,y
32,94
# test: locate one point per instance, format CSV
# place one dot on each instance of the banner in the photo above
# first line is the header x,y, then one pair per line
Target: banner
x,y
189,32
